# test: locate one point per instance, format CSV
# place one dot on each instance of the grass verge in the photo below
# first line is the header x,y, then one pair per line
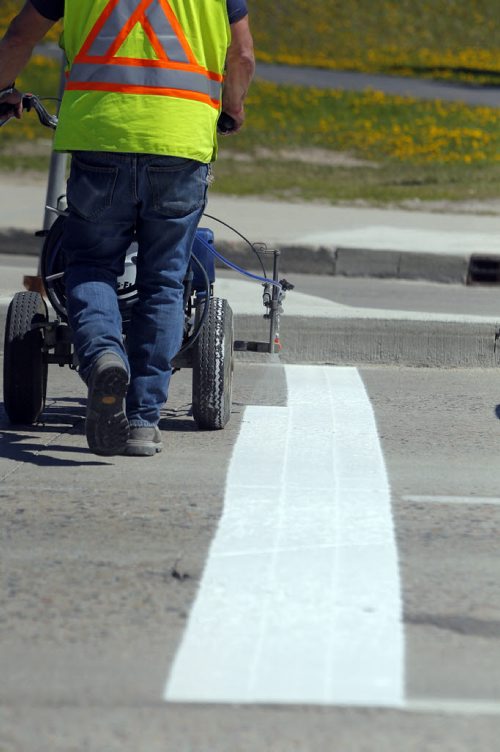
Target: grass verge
x,y
389,185
437,38
407,149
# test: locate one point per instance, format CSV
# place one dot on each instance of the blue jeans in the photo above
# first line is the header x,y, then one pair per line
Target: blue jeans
x,y
114,199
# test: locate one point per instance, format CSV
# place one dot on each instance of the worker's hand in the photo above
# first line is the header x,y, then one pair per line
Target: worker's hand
x,y
230,121
227,124
11,105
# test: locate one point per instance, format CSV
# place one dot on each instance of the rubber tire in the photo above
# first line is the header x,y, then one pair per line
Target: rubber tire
x,y
213,368
24,366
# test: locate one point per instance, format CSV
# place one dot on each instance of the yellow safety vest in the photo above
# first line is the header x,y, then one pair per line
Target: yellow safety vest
x,y
143,76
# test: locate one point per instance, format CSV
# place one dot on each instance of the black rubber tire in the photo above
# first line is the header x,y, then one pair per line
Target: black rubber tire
x,y
213,368
24,366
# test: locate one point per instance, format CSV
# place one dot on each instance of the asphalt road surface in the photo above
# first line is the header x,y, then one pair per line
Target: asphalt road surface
x,y
322,574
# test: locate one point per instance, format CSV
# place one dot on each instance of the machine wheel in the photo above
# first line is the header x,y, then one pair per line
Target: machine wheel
x,y
24,367
213,367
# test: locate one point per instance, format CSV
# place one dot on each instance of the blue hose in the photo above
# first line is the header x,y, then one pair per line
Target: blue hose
x,y
237,268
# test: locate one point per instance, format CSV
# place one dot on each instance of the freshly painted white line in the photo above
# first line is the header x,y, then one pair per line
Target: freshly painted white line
x,y
470,500
367,663
300,599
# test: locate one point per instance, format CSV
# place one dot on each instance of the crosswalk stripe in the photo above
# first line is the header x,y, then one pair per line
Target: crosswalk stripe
x,y
300,599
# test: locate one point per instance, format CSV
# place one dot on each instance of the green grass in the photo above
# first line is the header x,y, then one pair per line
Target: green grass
x,y
22,163
390,184
442,38
41,76
372,124
411,149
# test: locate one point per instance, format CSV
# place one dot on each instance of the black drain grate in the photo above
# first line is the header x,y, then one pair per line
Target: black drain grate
x,y
484,270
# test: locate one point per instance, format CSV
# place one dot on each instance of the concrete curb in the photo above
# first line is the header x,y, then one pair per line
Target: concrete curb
x,y
324,260
359,262
351,341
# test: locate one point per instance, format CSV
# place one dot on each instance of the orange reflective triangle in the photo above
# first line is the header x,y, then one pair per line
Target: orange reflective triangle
x,y
103,64
159,24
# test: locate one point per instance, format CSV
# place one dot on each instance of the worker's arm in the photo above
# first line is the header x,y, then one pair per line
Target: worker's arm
x,y
24,32
240,67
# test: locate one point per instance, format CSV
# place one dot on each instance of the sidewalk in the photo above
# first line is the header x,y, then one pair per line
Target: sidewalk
x,y
315,238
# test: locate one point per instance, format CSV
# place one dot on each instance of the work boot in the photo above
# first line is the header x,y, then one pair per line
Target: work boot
x,y
106,425
143,441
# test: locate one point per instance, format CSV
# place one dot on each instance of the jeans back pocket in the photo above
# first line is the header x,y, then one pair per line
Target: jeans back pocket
x,y
90,187
178,186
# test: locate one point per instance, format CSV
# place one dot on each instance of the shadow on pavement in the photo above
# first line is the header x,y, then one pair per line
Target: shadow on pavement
x,y
32,443
15,447
178,420
26,443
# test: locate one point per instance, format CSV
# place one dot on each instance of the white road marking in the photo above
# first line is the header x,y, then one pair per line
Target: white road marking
x,y
473,500
300,599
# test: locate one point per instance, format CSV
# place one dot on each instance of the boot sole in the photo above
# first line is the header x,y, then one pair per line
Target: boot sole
x,y
106,426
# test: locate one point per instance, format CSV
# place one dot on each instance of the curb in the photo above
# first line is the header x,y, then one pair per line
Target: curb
x,y
379,342
330,260
360,262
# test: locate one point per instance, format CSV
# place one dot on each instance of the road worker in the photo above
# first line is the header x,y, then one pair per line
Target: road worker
x,y
146,82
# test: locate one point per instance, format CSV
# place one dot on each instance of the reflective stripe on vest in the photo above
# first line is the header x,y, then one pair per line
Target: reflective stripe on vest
x,y
174,71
